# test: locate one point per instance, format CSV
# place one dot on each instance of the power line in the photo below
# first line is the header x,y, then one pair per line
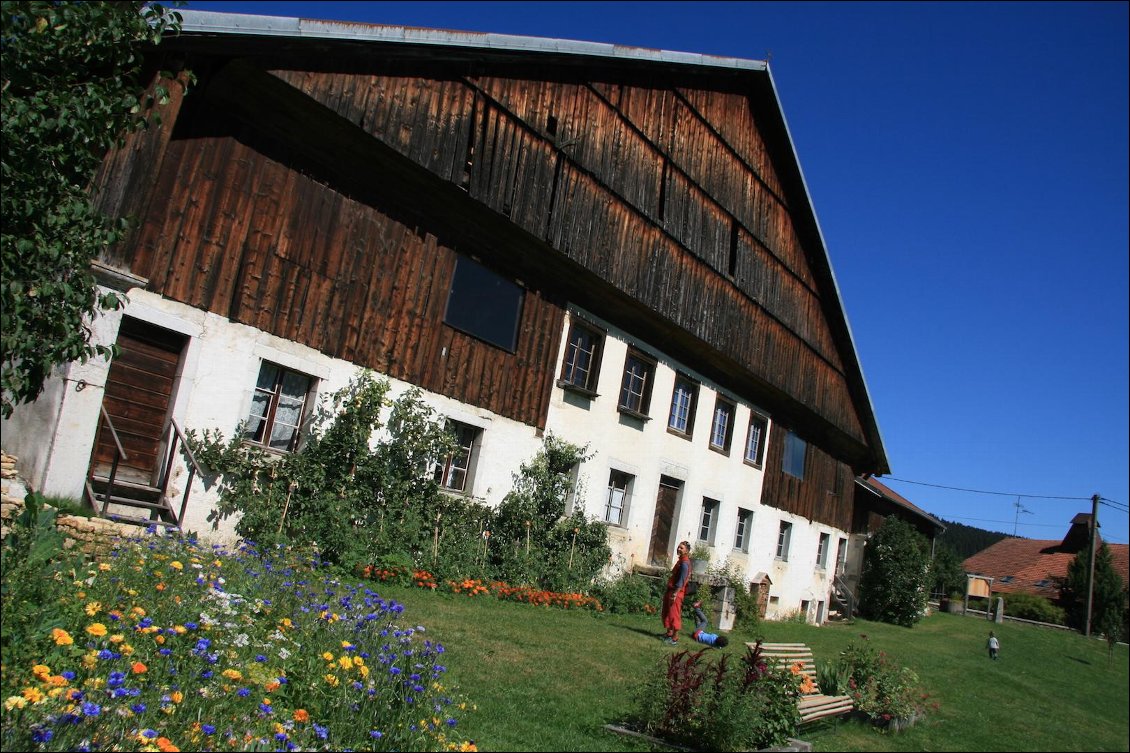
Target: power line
x,y
982,491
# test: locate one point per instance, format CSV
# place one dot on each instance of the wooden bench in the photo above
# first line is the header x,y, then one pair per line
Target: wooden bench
x,y
813,705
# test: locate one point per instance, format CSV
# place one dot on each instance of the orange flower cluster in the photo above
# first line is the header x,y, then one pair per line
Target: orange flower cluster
x,y
381,573
468,586
424,579
547,598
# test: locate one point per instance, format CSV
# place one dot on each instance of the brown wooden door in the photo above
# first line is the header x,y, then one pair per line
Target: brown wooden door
x,y
139,391
665,504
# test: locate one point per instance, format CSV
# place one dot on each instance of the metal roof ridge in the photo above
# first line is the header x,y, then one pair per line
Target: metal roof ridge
x,y
204,22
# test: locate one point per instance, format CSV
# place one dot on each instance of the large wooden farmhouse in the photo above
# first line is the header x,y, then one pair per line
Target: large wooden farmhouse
x,y
614,245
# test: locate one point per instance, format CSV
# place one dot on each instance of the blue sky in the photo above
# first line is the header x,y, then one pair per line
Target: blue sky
x,y
968,165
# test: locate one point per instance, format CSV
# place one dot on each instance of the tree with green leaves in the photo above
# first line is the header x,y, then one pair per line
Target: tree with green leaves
x,y
72,87
895,583
1108,600
947,572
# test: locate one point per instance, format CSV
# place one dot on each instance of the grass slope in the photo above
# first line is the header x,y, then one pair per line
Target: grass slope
x,y
547,679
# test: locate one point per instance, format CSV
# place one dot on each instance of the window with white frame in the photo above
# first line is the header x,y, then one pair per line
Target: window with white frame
x,y
457,469
784,538
684,399
722,427
278,405
619,497
755,440
822,550
741,531
795,451
580,369
709,520
635,389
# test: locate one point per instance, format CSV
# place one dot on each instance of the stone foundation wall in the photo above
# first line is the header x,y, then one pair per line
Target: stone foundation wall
x,y
91,535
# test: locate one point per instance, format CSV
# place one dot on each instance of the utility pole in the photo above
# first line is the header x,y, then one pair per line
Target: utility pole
x,y
1019,509
1091,565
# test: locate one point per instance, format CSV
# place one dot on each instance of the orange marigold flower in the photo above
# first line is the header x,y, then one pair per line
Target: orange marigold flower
x,y
97,629
138,668
61,637
301,715
165,744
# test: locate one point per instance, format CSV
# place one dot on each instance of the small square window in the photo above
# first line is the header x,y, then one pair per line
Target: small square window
x,y
722,427
278,405
708,521
755,440
784,538
684,400
484,304
741,532
635,389
457,469
619,496
580,369
795,451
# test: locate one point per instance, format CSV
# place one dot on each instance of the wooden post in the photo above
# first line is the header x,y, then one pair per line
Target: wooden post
x,y
435,540
1091,563
286,506
527,538
572,548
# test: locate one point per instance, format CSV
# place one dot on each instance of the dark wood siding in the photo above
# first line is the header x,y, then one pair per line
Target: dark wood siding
x,y
823,495
323,199
256,241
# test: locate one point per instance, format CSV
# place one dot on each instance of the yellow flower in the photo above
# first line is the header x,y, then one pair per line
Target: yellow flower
x,y
32,694
15,702
345,663
233,674
92,608
363,670
358,661
177,696
176,565
61,637
332,680
117,638
96,629
105,567
41,672
328,656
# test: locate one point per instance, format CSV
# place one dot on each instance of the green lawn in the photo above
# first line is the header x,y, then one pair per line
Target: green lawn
x,y
549,679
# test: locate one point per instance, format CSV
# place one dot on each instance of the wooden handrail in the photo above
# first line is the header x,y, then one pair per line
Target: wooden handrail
x,y
114,433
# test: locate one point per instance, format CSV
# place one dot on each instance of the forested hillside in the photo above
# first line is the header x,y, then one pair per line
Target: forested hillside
x,y
965,541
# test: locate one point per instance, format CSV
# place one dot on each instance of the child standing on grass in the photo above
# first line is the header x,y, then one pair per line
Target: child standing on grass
x,y
994,645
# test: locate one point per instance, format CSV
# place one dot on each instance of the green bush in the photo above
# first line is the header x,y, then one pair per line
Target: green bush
x,y
1030,607
881,689
717,706
894,586
627,594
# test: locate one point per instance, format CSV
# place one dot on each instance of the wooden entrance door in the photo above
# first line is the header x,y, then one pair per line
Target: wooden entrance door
x,y
139,392
665,504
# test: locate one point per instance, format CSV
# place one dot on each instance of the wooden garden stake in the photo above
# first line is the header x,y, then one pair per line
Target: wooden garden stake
x,y
572,548
527,538
435,539
286,506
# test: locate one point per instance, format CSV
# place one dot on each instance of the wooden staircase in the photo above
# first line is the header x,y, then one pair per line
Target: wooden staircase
x,y
147,504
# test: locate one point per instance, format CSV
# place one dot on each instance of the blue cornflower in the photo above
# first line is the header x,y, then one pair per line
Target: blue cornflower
x,y
260,658
91,709
138,708
451,722
40,735
321,732
69,675
376,734
117,679
394,671
149,733
243,692
207,729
